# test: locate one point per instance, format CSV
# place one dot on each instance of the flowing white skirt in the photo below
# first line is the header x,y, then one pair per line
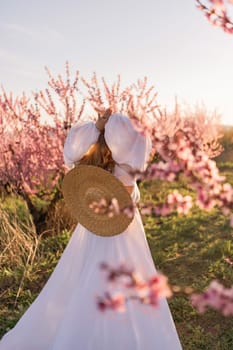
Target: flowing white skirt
x,y
64,316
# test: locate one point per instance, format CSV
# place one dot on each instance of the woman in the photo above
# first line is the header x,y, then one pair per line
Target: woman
x,y
64,316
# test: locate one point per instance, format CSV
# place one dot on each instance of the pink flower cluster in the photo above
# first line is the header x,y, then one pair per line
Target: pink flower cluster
x,y
216,297
228,260
175,201
182,154
111,208
209,186
163,171
129,285
28,145
133,287
115,302
216,13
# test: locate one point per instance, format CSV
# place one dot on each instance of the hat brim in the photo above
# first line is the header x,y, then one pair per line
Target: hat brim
x,y
85,184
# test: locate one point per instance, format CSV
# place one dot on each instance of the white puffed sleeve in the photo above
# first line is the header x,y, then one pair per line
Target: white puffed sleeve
x,y
128,146
78,140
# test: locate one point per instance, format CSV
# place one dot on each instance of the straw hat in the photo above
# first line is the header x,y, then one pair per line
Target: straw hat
x,y
85,184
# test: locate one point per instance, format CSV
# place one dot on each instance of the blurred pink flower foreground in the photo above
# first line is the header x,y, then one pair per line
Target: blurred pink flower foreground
x,y
216,297
132,287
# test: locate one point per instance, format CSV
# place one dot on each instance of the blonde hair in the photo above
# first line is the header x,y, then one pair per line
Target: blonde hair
x,y
99,155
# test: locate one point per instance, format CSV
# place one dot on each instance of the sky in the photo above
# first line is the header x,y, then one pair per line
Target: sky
x,y
170,42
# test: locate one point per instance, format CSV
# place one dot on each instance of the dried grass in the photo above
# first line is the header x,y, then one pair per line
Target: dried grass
x,y
18,244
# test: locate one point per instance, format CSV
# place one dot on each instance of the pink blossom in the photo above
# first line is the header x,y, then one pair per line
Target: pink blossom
x,y
114,302
111,208
175,201
216,297
115,206
163,210
133,286
217,15
129,211
228,260
147,210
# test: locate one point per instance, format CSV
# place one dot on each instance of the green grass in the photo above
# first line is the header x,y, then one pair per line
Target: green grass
x,y
188,249
190,252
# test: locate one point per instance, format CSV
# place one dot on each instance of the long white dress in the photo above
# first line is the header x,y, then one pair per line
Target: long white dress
x,y
64,316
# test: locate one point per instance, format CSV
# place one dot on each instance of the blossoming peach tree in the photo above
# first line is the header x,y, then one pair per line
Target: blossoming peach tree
x,y
31,162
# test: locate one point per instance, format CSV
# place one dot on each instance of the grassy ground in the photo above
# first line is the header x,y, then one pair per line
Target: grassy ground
x,y
189,250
